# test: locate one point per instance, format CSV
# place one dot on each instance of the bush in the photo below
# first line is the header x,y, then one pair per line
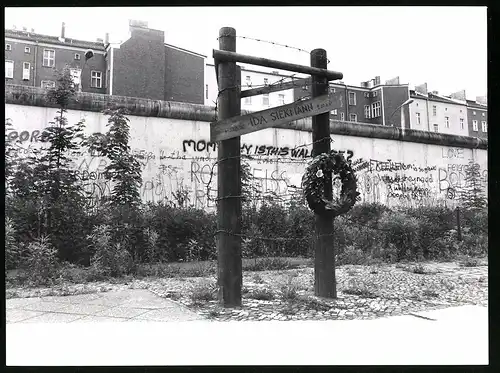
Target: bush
x,y
41,262
402,231
12,257
204,292
109,259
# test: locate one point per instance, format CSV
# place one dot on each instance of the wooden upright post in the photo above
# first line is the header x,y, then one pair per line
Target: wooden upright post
x,y
229,180
324,259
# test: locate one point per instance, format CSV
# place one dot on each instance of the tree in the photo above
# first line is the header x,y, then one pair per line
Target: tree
x,y
124,170
46,181
472,195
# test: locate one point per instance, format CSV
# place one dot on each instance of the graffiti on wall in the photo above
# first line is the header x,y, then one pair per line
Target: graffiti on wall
x,y
276,169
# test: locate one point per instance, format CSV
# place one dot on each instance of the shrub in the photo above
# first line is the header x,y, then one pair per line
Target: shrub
x,y
402,232
289,290
268,264
41,262
356,287
351,255
12,257
109,259
204,292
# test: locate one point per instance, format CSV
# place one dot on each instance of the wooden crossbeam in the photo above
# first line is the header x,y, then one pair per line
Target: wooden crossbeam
x,y
226,56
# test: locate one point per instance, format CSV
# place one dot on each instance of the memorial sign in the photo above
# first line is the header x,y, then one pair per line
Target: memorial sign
x,y
237,126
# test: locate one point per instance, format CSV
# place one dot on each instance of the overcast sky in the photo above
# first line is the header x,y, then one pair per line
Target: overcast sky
x,y
443,46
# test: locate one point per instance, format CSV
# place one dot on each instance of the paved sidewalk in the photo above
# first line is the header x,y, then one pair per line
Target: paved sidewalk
x,y
127,305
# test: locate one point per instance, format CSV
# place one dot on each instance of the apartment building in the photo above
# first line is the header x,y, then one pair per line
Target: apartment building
x,y
141,66
477,114
32,59
433,112
145,66
452,114
253,78
371,102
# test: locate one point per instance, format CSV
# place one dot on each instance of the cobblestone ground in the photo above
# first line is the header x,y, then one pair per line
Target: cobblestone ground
x,y
363,292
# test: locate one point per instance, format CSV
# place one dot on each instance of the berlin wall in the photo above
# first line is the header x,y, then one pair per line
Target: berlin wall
x,y
176,153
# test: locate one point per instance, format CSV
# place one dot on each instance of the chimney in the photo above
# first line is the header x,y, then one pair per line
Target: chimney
x,y
106,38
435,92
63,31
422,88
482,100
460,95
377,80
134,24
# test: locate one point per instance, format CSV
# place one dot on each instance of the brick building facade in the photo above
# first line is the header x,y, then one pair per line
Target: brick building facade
x,y
142,66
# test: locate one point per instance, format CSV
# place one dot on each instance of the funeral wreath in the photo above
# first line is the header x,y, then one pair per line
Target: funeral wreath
x,y
317,176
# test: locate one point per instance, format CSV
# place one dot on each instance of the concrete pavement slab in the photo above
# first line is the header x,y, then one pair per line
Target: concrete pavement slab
x,y
118,311
82,309
15,315
53,317
46,306
167,314
98,319
73,298
20,302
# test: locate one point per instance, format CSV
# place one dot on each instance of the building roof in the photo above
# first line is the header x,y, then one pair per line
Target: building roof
x,y
476,105
435,97
31,36
185,50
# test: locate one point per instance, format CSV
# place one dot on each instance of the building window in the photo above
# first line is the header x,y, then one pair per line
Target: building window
x,y
436,127
27,50
281,99
47,84
484,126
77,56
342,116
353,117
49,57
266,81
462,123
447,121
304,87
352,98
333,112
249,81
474,125
248,100
473,113
265,99
8,47
26,70
434,110
96,79
375,94
367,111
331,89
206,91
445,109
376,109
418,118
483,114
9,69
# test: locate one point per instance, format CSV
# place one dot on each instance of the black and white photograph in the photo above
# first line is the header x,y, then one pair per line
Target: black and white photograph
x,y
246,185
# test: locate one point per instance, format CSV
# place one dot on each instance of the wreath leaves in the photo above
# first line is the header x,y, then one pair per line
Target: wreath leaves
x,y
318,173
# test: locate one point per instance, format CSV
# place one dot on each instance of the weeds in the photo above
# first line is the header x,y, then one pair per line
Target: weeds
x,y
358,288
204,292
262,294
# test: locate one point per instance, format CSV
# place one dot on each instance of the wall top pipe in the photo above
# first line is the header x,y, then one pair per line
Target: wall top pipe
x,y
34,96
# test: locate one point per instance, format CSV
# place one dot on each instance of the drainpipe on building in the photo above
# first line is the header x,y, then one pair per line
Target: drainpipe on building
x,y
34,65
428,119
346,104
